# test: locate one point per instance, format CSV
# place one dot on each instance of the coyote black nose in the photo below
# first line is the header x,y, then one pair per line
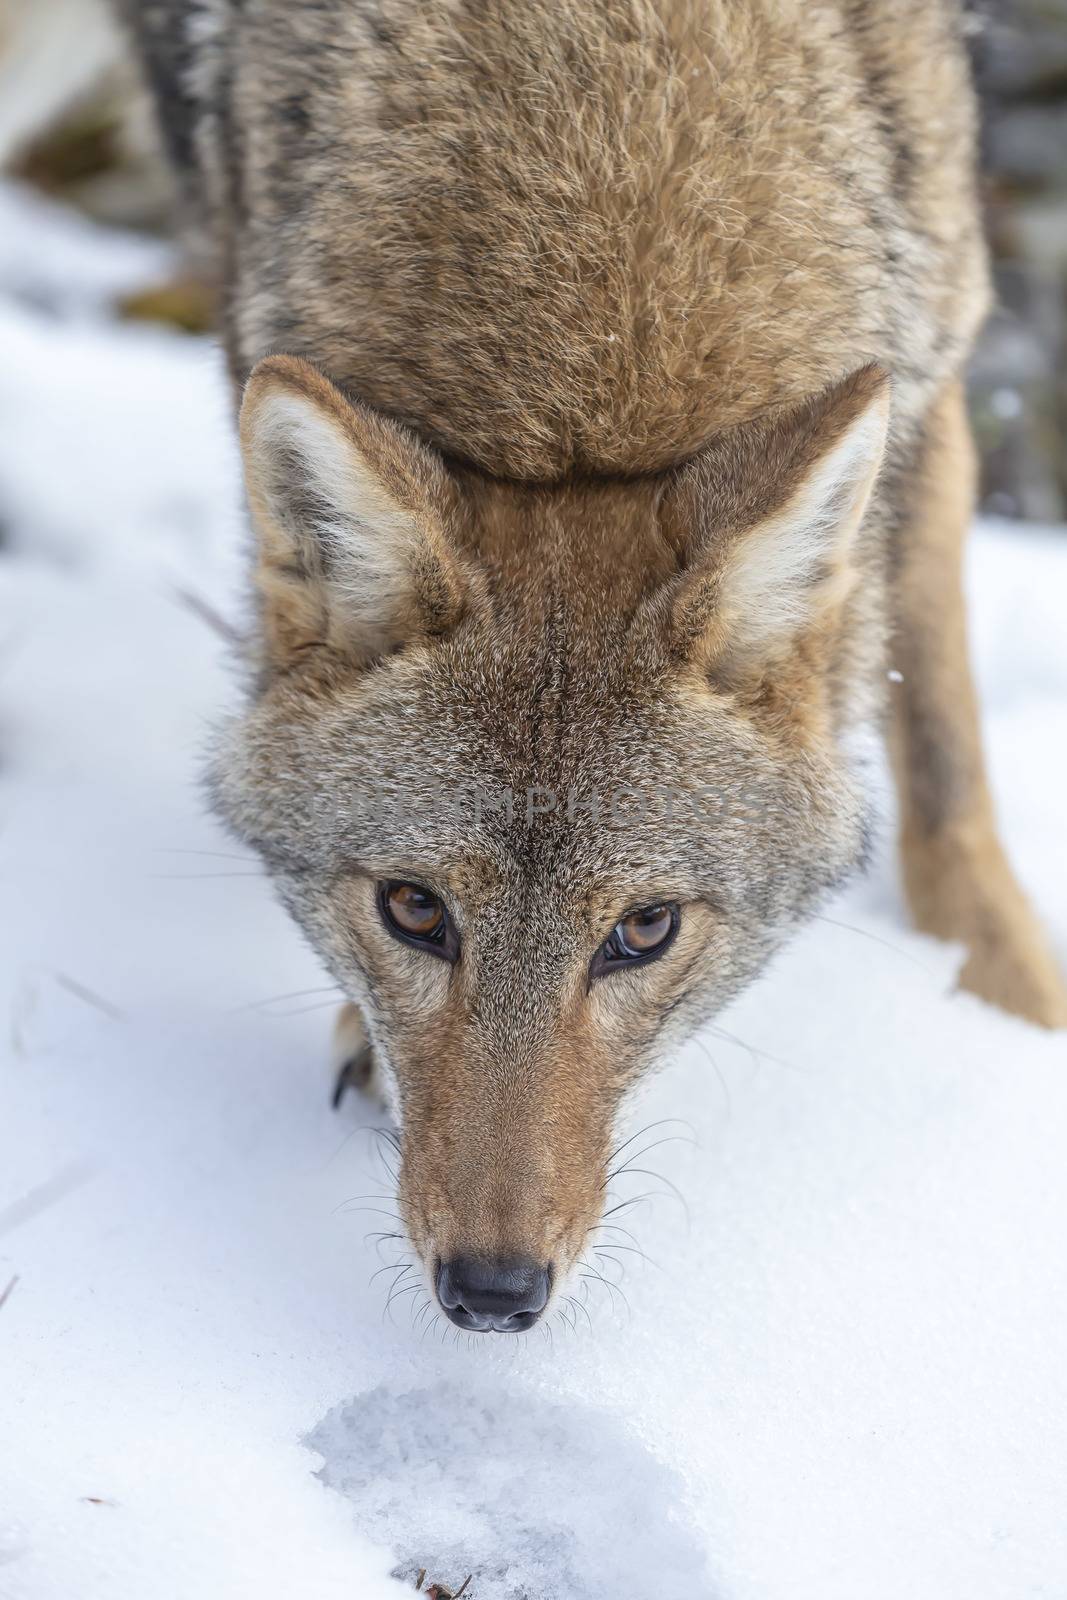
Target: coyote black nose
x,y
506,1296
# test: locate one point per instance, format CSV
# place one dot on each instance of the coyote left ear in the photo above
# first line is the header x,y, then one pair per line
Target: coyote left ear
x,y
348,509
776,505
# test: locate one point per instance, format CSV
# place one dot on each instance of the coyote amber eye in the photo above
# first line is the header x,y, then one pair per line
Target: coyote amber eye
x,y
417,917
413,911
644,931
639,936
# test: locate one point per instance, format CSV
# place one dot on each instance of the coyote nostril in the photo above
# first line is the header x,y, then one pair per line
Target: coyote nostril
x,y
506,1296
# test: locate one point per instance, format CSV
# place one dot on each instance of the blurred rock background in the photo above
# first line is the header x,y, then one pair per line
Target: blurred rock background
x,y
98,151
1019,374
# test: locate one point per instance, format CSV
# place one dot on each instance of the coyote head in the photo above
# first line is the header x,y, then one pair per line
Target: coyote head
x,y
545,772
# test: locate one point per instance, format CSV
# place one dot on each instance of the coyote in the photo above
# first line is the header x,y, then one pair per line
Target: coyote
x,y
605,447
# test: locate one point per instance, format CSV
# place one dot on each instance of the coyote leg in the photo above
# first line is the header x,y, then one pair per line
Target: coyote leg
x,y
957,878
353,1056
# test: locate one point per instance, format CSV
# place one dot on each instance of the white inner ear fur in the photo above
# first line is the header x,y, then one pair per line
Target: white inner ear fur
x,y
332,511
787,569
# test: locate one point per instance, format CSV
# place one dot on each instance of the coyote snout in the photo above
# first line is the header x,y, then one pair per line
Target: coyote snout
x,y
502,1171
498,1189
503,1167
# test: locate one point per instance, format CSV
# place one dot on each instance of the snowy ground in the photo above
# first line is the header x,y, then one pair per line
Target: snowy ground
x,y
846,1377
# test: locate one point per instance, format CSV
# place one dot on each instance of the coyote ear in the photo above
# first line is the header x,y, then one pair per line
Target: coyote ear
x,y
347,507
778,505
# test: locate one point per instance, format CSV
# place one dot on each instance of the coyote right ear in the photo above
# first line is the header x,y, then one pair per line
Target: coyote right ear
x,y
348,509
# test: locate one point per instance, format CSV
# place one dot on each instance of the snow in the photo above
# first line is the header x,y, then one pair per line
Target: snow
x,y
450,1468
845,1376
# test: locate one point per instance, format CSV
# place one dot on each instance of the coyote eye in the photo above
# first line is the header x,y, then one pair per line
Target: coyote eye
x,y
417,917
639,936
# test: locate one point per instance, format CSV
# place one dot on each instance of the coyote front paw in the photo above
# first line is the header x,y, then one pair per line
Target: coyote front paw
x,y
353,1057
967,892
1011,967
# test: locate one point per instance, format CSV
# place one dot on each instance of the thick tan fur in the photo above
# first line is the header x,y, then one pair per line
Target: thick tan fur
x,y
559,235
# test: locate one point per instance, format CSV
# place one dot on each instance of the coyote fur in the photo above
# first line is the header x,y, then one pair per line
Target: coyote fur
x,y
599,366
